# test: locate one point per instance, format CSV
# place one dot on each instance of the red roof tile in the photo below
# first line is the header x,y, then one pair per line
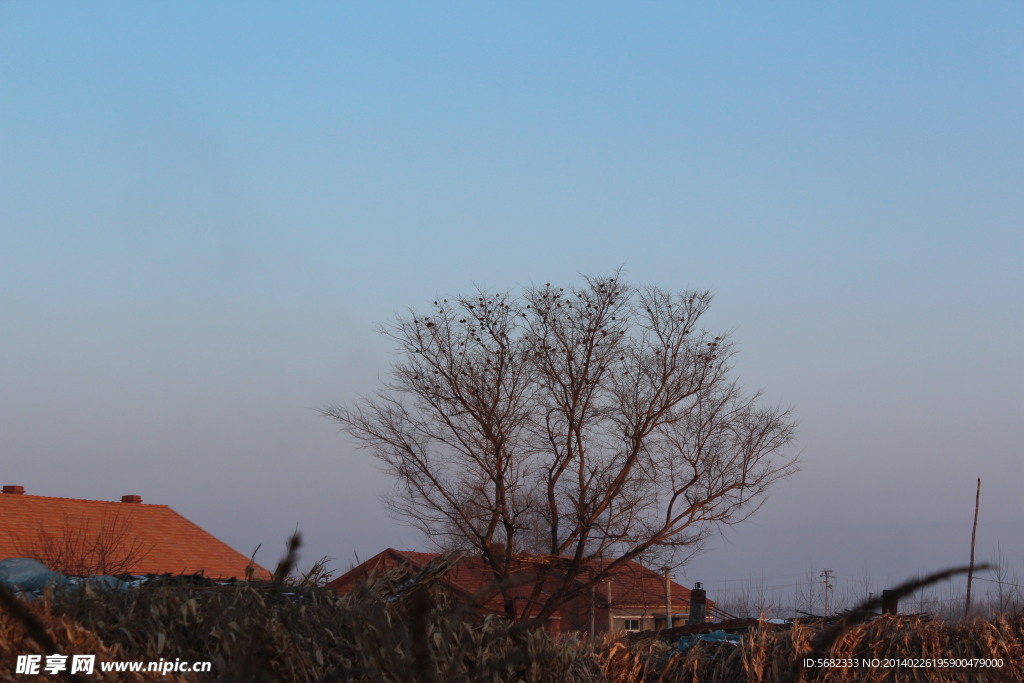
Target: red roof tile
x,y
164,541
634,585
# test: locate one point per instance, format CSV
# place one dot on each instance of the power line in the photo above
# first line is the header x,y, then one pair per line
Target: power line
x,y
1004,583
751,579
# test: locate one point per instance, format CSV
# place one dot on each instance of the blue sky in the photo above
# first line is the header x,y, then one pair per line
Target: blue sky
x,y
207,210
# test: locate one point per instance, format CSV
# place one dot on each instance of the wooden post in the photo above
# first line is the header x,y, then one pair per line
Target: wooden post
x,y
668,597
611,622
593,599
974,533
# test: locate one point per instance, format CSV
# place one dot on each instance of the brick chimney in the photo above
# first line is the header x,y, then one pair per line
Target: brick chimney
x,y
131,499
890,603
497,551
698,604
14,489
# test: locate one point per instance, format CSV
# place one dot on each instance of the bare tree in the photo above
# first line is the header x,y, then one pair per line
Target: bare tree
x,y
584,428
1009,598
865,587
753,598
808,594
84,547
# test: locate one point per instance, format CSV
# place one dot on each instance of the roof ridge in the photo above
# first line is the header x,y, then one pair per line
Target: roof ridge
x,y
23,496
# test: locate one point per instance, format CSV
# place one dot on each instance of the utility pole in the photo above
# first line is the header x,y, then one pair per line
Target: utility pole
x,y
826,578
970,567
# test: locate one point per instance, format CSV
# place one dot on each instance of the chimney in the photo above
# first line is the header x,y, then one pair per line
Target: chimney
x,y
698,604
497,552
131,499
14,489
890,603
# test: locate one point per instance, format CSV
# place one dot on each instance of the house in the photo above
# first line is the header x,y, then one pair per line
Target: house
x,y
82,537
632,599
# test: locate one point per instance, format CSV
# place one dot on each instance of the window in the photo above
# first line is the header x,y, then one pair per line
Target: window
x,y
631,625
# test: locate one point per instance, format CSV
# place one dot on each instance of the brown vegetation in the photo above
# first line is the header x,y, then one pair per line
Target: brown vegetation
x,y
769,654
399,627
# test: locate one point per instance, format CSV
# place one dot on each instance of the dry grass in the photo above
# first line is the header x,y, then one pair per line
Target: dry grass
x,y
400,627
34,629
393,629
769,654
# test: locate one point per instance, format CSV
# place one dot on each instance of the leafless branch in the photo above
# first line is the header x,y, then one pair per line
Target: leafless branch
x,y
597,421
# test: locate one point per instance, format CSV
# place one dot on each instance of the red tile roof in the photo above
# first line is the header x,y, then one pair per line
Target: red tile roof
x,y
164,541
632,585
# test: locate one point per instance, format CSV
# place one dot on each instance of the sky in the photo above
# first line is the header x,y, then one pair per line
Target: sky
x,y
207,210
